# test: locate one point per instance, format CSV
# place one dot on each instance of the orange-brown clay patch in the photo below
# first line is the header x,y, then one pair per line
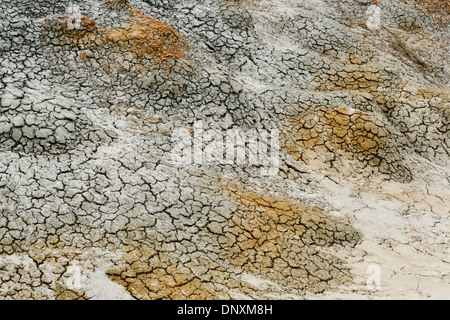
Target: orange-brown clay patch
x,y
150,275
309,222
144,35
116,4
280,240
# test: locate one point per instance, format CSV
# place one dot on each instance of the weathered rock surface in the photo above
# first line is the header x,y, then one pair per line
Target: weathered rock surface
x,y
93,206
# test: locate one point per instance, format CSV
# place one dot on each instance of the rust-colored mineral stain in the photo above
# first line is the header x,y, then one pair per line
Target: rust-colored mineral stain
x,y
144,35
266,213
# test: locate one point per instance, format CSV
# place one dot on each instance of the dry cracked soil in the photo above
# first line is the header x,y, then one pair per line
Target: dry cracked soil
x,y
218,149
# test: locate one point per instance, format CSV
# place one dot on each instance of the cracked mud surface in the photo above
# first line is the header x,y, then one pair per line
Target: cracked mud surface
x,y
93,207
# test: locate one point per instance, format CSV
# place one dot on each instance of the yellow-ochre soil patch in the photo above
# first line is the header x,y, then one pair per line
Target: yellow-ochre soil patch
x,y
149,274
